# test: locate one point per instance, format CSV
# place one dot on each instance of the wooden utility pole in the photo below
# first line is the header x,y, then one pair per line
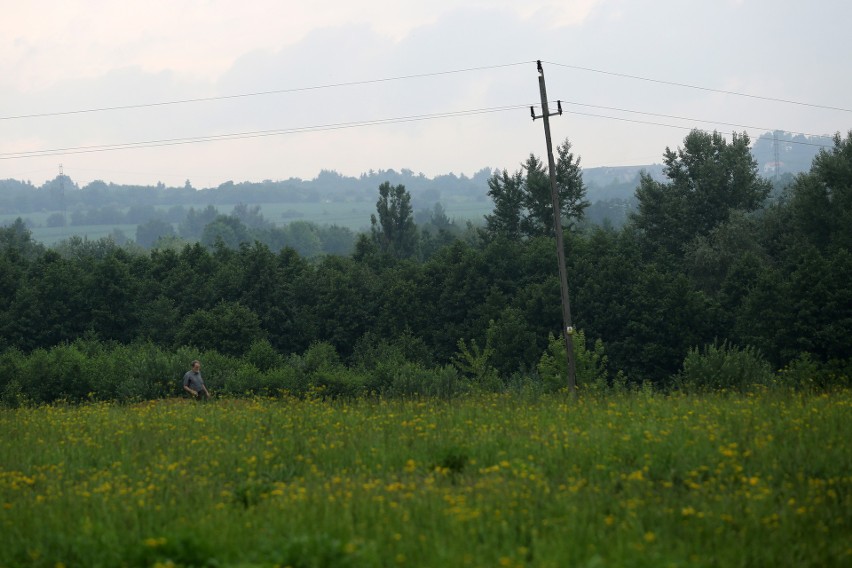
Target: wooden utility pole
x,y
568,329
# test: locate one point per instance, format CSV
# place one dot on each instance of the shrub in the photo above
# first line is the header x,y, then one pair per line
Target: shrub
x,y
475,364
283,380
243,380
725,366
320,371
590,366
805,373
11,361
61,372
406,380
337,382
263,355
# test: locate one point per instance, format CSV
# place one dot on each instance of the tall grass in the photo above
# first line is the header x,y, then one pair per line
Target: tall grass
x,y
637,480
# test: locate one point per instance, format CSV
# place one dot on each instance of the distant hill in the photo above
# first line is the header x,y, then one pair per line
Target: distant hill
x,y
795,152
616,182
332,198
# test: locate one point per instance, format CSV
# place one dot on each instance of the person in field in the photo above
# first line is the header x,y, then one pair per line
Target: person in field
x,y
193,384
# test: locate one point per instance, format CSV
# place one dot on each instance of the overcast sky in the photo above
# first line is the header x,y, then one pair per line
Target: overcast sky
x,y
354,62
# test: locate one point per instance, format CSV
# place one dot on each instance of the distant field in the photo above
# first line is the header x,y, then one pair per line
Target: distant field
x,y
634,480
52,235
353,215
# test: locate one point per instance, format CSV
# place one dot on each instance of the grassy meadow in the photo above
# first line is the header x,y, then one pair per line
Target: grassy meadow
x,y
631,480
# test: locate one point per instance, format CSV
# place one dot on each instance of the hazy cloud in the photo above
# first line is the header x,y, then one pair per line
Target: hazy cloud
x,y
58,56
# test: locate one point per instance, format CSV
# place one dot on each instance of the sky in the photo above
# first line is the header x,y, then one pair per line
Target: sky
x,y
141,92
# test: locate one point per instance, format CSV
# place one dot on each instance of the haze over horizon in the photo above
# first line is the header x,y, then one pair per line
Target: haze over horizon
x,y
374,85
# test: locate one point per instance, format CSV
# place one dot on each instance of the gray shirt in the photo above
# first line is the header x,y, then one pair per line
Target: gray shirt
x,y
193,380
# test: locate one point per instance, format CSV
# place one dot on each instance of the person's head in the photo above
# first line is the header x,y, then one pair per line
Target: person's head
x,y
196,365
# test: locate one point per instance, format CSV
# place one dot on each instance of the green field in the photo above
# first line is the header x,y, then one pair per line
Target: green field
x,y
633,480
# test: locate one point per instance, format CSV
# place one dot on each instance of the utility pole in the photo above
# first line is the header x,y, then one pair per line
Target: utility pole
x,y
568,328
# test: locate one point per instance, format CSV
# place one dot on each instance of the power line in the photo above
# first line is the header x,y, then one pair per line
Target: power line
x,y
433,74
261,93
697,87
690,119
681,127
357,124
246,135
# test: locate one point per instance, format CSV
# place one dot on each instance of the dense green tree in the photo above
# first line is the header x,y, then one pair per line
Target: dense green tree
x,y
339,298
538,200
250,216
264,288
147,234
228,327
569,185
16,239
190,282
113,299
455,283
515,344
523,202
708,179
709,258
303,238
821,200
49,306
193,225
393,230
227,229
399,299
158,321
507,193
337,240
297,328
664,317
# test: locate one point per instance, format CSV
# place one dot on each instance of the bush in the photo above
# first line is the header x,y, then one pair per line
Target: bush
x,y
474,363
590,366
283,380
725,366
244,380
337,382
11,361
320,371
263,355
61,372
409,379
805,373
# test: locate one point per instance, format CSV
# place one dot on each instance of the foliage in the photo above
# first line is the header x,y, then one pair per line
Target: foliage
x,y
474,363
393,230
703,259
147,234
523,202
591,366
708,179
723,367
229,327
807,374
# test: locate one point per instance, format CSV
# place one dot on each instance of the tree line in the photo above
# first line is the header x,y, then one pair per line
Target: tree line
x,y
706,266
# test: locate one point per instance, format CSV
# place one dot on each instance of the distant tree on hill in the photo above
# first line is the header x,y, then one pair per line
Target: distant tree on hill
x,y
149,233
394,231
